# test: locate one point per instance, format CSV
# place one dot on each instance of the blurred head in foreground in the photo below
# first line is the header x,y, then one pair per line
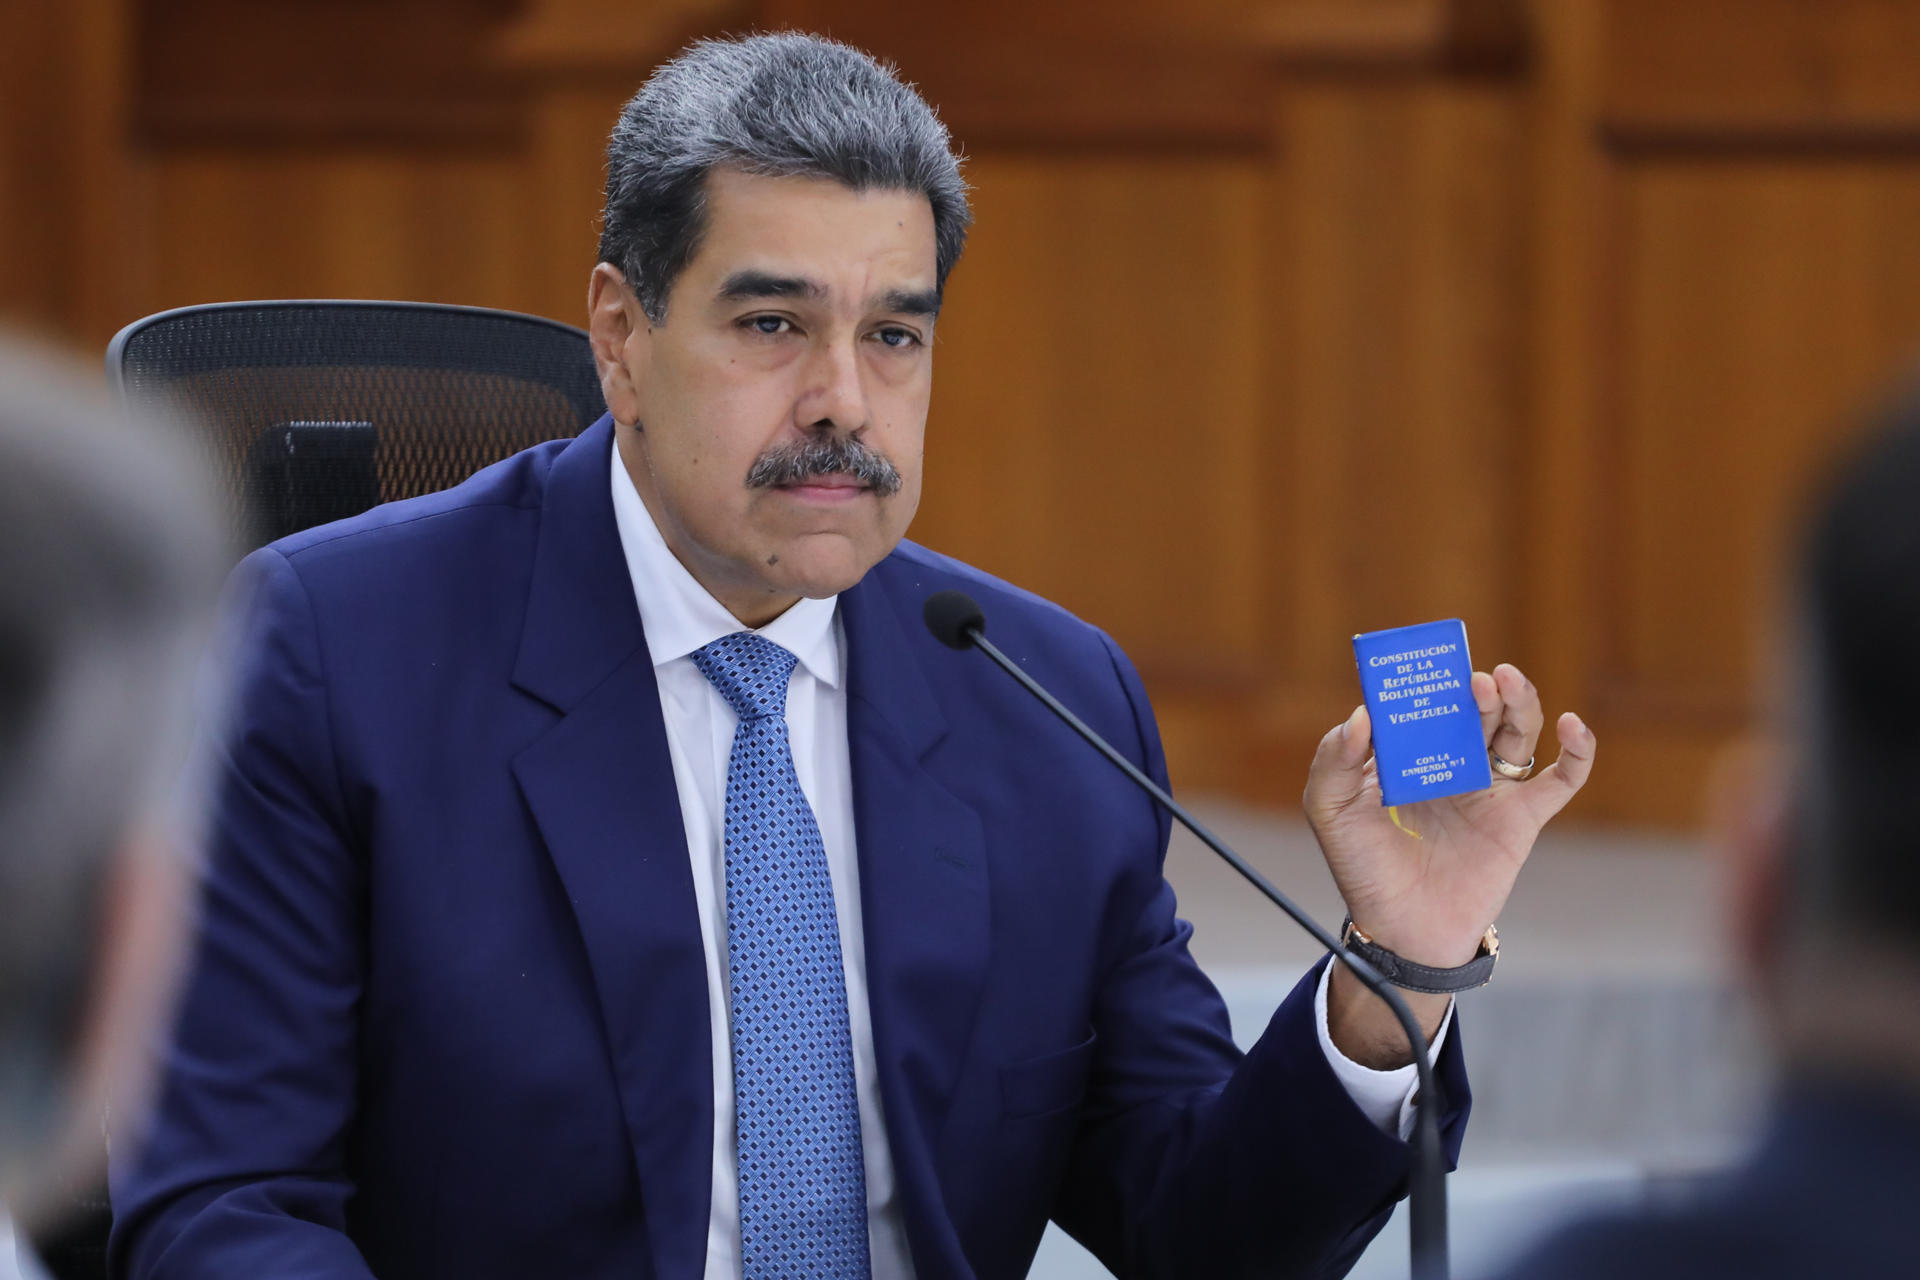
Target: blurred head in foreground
x,y
110,554
1821,842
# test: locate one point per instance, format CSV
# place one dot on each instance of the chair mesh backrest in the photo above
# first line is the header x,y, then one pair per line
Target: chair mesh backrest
x,y
319,410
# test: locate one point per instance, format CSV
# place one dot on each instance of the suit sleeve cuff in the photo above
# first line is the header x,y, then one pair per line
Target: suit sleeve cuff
x,y
1385,1097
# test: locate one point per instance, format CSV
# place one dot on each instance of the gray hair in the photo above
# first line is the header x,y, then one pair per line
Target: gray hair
x,y
783,105
111,554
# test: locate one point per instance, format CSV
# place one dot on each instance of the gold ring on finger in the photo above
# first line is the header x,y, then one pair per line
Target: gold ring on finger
x,y
1506,769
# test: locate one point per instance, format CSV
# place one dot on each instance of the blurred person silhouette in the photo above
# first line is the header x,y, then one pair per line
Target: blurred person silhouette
x,y
1817,838
111,553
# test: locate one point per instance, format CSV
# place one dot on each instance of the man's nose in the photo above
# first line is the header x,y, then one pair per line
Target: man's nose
x,y
833,395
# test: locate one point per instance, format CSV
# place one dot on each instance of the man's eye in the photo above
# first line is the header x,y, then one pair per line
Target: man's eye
x,y
899,339
769,324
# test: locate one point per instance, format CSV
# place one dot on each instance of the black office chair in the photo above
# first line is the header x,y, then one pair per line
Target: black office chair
x,y
320,409
317,411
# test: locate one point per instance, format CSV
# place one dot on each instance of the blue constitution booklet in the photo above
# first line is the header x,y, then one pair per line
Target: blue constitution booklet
x,y
1426,728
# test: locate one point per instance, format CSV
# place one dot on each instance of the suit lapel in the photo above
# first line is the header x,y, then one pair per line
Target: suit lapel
x,y
600,785
924,895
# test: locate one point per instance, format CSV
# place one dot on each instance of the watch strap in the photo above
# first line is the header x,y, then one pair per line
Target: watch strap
x,y
1410,976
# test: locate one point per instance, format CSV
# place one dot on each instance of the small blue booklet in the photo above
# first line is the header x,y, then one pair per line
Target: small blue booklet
x,y
1426,728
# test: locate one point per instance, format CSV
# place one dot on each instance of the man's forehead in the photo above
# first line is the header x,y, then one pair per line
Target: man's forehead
x,y
809,229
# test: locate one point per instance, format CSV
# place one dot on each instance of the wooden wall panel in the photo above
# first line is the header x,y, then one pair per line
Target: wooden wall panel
x,y
35,198
65,70
1756,303
1402,392
1238,427
343,222
1775,71
1760,299
1725,270
559,192
315,72
1096,432
1390,326
1282,319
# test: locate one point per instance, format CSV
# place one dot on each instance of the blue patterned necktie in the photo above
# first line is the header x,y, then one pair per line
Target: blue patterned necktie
x,y
803,1183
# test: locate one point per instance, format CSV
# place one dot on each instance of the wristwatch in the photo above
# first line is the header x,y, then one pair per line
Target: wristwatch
x,y
1419,977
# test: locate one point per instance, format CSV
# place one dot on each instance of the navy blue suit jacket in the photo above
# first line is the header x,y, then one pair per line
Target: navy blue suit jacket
x,y
1830,1191
448,1015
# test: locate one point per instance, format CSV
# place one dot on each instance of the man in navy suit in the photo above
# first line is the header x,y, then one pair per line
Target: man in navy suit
x,y
614,879
1816,837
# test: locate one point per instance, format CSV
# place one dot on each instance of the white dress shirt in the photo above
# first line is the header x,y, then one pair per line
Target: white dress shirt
x,y
679,616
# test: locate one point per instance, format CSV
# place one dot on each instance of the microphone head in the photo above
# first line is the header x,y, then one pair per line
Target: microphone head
x,y
952,616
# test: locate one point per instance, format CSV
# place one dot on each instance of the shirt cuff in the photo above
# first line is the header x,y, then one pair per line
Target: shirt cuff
x,y
1384,1097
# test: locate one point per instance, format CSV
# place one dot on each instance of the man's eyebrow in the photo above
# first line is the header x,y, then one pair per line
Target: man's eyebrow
x,y
745,286
911,302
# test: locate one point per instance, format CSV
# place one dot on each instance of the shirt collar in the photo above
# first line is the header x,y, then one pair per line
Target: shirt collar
x,y
679,615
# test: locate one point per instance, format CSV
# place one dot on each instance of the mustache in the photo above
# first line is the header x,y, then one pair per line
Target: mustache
x,y
827,455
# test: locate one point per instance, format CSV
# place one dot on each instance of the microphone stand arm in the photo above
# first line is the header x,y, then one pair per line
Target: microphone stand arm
x,y
1427,1195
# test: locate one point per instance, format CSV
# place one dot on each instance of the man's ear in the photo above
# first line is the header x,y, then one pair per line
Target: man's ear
x,y
620,334
1750,826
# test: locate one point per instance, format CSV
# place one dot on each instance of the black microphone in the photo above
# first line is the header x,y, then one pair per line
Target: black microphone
x,y
956,620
